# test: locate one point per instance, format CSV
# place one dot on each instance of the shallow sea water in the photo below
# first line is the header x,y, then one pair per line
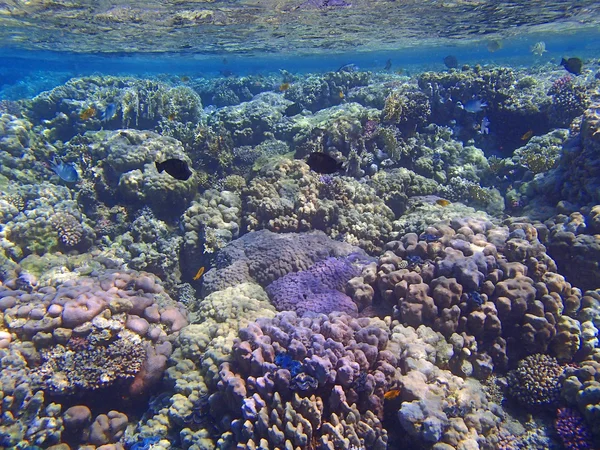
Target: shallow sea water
x,y
321,224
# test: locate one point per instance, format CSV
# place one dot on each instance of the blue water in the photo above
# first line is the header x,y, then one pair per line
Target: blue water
x,y
26,73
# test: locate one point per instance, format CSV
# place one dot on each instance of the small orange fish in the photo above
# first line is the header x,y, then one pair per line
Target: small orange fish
x,y
391,394
527,135
199,273
341,94
87,113
171,116
443,202
184,78
284,87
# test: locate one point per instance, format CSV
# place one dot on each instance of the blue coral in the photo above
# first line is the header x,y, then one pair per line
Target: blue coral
x,y
475,299
285,361
145,443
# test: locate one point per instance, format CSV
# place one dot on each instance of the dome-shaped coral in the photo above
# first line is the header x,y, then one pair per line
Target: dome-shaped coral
x,y
536,381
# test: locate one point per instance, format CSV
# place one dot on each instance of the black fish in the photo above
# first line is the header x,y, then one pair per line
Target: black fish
x,y
388,65
573,65
323,163
451,62
293,109
175,167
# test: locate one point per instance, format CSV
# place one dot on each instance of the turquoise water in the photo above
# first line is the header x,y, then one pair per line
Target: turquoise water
x,y
300,225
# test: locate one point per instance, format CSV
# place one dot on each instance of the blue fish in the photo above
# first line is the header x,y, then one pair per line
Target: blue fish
x,y
109,112
475,105
67,172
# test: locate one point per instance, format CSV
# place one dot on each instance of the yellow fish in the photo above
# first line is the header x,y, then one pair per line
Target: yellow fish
x,y
87,113
199,273
391,394
341,94
527,135
443,202
284,87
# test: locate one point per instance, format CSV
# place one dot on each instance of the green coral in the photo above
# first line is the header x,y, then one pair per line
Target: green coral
x,y
542,152
140,103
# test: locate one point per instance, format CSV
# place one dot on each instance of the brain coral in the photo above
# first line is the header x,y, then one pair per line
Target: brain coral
x,y
264,256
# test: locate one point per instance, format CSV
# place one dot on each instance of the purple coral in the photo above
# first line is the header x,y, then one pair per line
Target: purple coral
x,y
320,289
572,430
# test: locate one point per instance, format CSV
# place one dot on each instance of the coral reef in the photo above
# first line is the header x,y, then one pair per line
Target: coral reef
x,y
574,243
264,256
209,224
125,167
319,92
569,100
494,286
289,197
572,430
319,289
150,245
474,190
45,219
77,106
536,382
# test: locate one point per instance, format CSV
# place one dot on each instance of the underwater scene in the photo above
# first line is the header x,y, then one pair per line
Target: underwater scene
x,y
299,225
